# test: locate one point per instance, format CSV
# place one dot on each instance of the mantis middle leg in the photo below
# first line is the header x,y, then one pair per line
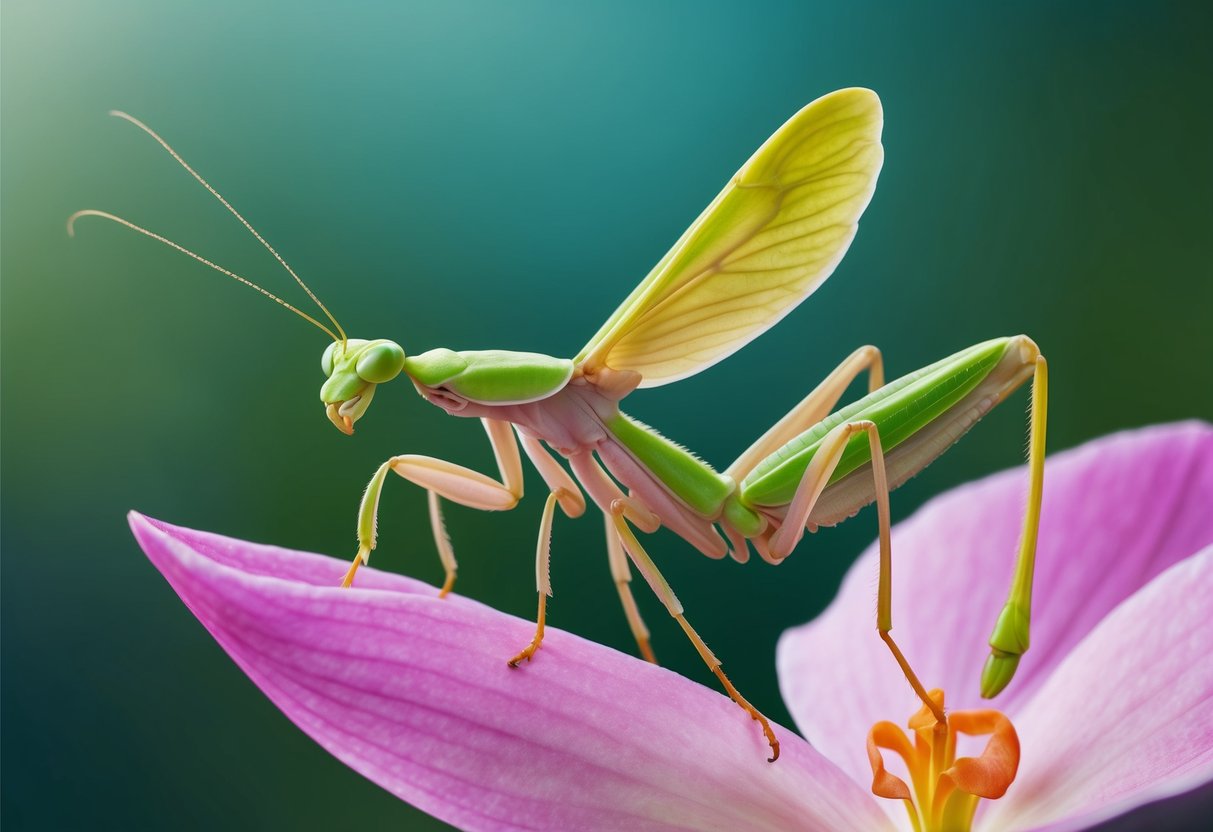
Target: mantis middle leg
x,y
662,588
608,496
562,490
543,582
476,490
622,575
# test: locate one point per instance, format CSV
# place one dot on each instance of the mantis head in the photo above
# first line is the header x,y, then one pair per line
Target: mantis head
x,y
353,368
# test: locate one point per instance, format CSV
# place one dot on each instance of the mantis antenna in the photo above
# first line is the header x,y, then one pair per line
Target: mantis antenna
x,y
90,212
237,215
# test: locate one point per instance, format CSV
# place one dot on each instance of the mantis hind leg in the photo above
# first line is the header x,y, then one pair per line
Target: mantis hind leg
x,y
812,483
1009,641
812,408
658,582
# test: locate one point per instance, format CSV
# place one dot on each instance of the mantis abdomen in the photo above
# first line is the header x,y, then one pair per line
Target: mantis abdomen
x,y
917,416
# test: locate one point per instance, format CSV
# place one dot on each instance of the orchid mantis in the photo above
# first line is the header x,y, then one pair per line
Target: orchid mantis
x,y
774,233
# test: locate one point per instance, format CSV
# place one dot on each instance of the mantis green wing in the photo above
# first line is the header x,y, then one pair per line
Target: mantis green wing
x,y
771,237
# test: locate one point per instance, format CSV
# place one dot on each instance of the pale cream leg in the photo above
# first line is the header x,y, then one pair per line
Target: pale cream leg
x,y
606,493
543,581
444,479
622,574
658,582
812,483
443,541
572,501
812,409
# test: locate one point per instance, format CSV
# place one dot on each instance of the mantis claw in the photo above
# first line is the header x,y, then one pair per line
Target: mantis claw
x,y
530,649
527,653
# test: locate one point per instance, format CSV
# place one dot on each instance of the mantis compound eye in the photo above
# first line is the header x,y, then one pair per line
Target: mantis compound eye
x,y
326,360
381,363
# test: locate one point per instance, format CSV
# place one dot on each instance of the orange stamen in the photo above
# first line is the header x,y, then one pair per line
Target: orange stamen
x,y
946,789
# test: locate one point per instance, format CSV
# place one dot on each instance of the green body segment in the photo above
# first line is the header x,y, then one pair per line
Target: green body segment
x,y
742,518
491,376
899,409
691,479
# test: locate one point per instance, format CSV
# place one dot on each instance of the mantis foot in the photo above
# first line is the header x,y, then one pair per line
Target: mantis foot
x,y
754,713
527,653
530,649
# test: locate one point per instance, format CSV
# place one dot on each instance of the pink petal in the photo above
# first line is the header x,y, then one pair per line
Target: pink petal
x,y
1127,717
414,693
1117,512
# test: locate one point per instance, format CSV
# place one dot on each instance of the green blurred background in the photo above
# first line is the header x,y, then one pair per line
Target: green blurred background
x,y
500,175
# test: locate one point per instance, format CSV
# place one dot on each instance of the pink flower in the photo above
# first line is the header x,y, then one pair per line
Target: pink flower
x,y
1113,705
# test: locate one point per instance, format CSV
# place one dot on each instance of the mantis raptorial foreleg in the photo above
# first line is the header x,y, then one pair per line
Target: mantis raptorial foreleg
x,y
812,408
662,588
446,553
812,483
444,479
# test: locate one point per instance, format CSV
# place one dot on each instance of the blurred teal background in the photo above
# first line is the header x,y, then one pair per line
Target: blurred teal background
x,y
501,175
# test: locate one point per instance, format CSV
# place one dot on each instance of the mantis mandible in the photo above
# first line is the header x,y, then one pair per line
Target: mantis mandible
x,y
774,233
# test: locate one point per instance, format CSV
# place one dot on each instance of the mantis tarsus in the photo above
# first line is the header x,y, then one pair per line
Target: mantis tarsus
x,y
775,232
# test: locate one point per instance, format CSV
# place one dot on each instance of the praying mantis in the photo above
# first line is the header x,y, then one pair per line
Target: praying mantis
x,y
774,233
